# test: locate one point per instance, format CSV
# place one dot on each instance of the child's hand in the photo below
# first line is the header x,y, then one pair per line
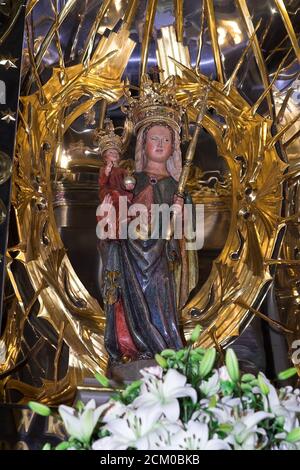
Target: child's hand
x,y
129,186
108,168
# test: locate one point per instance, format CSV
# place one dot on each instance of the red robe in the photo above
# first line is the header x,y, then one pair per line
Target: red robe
x,y
113,184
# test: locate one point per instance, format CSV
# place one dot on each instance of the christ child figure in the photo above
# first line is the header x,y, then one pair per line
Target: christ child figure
x,y
114,181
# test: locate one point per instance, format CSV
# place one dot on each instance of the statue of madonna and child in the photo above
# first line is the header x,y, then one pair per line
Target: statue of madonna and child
x,y
146,276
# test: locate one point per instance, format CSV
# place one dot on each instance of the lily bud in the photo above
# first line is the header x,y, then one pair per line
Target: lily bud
x,y
248,378
40,409
195,334
232,365
168,353
262,384
161,361
207,362
286,374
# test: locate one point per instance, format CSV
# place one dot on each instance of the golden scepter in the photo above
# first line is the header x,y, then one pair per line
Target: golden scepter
x,y
189,158
192,146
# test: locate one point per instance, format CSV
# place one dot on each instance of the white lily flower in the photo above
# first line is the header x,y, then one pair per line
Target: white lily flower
x,y
155,371
138,429
245,433
81,425
161,395
287,406
223,373
287,446
196,437
115,410
223,412
211,386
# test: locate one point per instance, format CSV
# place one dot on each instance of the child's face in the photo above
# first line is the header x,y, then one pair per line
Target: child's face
x,y
111,155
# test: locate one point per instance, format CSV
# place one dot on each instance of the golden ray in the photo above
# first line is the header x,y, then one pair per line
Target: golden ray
x,y
269,320
58,351
48,38
292,139
214,38
85,72
287,262
282,131
169,48
30,6
277,48
50,35
284,105
269,87
130,13
256,49
286,100
150,15
201,34
179,19
265,33
231,80
62,74
42,96
13,20
289,27
93,31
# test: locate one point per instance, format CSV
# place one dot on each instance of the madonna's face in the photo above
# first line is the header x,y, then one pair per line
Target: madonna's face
x,y
158,144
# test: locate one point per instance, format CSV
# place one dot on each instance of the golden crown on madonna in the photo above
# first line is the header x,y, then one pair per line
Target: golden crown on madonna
x,y
156,103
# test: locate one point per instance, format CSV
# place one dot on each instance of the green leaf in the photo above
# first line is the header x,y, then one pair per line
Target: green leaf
x,y
232,365
161,361
131,388
79,406
195,334
63,446
102,379
286,374
224,427
200,351
207,362
280,420
227,387
180,354
248,377
46,446
262,384
168,353
40,409
246,387
293,436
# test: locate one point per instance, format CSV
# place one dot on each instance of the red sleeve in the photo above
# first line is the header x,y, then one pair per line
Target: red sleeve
x,y
103,178
103,181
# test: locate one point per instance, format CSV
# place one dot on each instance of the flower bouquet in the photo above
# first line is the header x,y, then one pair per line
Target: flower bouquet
x,y
189,401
